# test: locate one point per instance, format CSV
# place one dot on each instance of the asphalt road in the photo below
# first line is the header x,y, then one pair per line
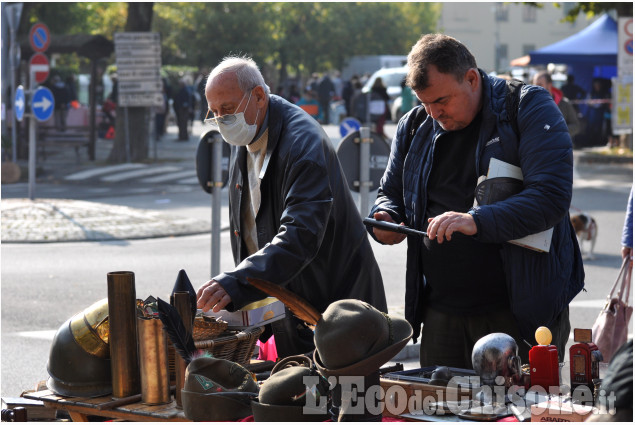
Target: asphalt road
x,y
45,284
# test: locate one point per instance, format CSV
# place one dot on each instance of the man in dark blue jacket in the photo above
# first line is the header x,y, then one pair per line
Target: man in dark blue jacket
x,y
465,280
293,220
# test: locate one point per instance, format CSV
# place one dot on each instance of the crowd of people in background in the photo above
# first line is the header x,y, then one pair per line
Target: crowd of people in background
x,y
588,114
329,99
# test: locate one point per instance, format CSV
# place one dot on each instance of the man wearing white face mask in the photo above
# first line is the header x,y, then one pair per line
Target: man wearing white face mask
x,y
293,220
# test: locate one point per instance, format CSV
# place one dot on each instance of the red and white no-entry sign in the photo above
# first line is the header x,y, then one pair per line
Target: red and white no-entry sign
x,y
39,66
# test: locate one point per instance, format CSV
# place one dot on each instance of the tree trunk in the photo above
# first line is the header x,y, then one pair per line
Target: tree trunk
x,y
135,130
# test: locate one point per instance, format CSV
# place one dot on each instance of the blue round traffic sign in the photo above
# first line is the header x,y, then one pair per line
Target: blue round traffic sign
x,y
349,125
19,103
39,37
42,104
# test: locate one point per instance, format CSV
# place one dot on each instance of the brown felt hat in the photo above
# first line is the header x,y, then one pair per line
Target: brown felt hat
x,y
353,338
217,390
284,396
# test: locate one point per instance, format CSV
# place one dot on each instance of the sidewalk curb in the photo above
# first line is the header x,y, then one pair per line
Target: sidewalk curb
x,y
596,156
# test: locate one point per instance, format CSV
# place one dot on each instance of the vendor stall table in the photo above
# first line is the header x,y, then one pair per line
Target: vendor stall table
x,y
80,408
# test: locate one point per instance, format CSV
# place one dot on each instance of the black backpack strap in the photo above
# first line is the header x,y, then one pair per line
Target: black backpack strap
x,y
413,124
512,101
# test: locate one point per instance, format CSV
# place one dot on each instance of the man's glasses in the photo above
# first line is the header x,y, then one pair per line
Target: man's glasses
x,y
223,119
227,119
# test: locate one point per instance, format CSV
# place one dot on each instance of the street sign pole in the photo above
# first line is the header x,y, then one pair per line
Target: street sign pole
x,y
14,14
217,185
15,62
364,169
127,133
32,141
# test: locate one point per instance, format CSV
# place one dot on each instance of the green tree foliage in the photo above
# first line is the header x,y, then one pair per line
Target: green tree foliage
x,y
289,37
597,8
76,17
285,38
200,34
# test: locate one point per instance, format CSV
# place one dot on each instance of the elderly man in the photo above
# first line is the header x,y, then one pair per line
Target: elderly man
x,y
293,220
465,280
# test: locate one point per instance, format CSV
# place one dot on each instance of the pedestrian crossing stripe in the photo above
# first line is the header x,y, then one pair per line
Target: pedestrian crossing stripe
x,y
93,172
170,176
138,173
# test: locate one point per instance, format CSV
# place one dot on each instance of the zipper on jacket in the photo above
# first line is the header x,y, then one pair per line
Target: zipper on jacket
x,y
426,177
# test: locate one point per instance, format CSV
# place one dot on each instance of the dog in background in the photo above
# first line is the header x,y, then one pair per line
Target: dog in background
x,y
586,229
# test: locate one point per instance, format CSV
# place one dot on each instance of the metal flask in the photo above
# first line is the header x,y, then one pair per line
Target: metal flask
x,y
153,361
122,315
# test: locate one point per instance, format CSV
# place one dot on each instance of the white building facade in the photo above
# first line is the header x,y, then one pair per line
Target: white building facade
x,y
496,33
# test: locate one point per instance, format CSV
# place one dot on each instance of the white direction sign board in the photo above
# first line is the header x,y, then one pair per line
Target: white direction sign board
x,y
138,59
140,99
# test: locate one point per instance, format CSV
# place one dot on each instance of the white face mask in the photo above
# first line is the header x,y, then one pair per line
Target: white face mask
x,y
238,132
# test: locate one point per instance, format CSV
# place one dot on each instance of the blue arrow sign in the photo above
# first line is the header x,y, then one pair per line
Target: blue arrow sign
x,y
20,103
42,104
349,125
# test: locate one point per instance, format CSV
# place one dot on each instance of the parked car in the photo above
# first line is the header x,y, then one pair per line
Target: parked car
x,y
392,78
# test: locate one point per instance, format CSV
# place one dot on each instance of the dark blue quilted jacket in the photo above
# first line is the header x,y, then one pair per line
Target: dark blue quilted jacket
x,y
540,285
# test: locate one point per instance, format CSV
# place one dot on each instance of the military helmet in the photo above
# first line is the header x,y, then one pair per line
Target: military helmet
x,y
79,359
496,355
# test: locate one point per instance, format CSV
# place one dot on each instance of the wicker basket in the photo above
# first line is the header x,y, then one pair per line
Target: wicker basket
x,y
207,328
237,346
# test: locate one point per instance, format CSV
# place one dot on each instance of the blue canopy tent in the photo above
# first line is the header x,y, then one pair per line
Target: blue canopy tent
x,y
590,53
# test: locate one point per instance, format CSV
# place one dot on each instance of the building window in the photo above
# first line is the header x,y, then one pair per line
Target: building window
x,y
502,12
529,13
528,48
502,52
501,58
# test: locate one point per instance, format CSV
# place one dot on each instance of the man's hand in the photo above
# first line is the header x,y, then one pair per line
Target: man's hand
x,y
386,236
211,294
442,226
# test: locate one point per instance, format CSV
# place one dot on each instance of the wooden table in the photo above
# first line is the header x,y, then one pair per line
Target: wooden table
x,y
80,408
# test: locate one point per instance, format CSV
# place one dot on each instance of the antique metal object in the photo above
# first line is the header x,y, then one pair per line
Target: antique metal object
x,y
154,367
123,334
182,304
496,355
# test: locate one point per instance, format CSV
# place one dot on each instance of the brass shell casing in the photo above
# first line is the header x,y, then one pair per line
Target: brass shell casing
x,y
122,314
153,361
